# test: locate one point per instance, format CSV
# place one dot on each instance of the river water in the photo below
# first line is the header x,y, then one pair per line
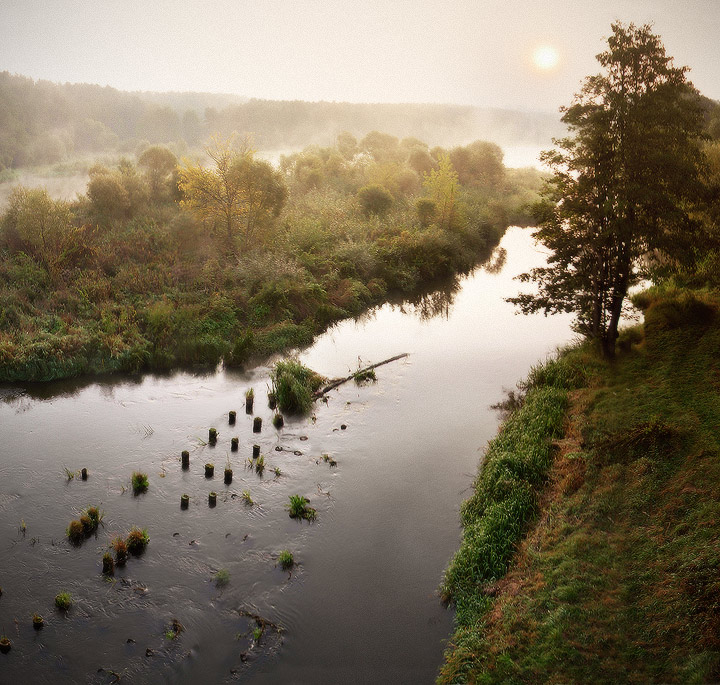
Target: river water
x,y
360,605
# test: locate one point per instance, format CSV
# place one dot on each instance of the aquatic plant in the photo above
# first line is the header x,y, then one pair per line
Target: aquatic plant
x,y
121,550
294,385
75,532
257,633
95,516
222,577
137,540
174,630
277,471
63,601
247,498
285,559
363,377
260,464
249,394
139,482
68,473
87,523
108,565
298,508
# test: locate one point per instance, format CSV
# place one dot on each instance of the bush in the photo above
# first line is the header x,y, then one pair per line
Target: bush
x,y
375,199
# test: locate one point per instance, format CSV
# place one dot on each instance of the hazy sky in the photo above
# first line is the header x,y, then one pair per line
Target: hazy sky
x,y
470,52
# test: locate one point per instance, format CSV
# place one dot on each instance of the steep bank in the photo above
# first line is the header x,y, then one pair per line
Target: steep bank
x,y
616,578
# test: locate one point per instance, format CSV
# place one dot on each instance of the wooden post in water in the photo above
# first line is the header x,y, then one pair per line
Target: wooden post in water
x,y
257,424
185,458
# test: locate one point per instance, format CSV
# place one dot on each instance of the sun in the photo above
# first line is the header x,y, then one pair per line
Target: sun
x,y
546,57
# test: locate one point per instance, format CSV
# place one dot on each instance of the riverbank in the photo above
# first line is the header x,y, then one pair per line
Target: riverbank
x,y
590,546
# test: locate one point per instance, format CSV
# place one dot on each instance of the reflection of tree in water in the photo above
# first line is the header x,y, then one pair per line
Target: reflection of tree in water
x,y
495,264
432,303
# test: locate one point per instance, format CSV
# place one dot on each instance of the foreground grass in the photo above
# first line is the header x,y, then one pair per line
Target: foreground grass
x,y
618,579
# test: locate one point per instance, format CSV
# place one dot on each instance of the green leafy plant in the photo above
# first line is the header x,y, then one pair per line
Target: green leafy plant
x,y
298,508
285,559
294,385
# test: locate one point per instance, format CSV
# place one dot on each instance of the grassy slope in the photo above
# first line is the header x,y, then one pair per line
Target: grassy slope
x,y
618,581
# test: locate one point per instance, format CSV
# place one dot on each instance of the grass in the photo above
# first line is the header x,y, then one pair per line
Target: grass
x,y
286,559
120,547
63,601
293,386
298,508
137,540
616,579
222,577
363,377
75,532
260,464
247,497
139,482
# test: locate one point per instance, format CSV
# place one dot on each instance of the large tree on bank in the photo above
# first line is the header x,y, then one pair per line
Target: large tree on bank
x,y
623,187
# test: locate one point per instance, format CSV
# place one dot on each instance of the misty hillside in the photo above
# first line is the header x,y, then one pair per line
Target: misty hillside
x,y
44,123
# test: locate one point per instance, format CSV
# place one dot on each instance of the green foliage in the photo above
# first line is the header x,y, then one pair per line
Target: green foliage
x,y
222,577
624,550
139,482
286,559
505,495
298,508
63,601
293,385
624,185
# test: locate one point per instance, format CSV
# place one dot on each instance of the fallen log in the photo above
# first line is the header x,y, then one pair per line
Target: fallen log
x,y
339,381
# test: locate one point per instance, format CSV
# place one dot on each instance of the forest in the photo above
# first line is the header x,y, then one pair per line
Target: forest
x,y
45,123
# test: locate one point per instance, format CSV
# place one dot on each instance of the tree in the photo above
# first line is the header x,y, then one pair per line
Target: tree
x,y
159,165
623,185
441,185
44,225
238,192
374,199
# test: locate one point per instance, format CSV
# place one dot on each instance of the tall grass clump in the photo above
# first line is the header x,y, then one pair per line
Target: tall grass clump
x,y
505,491
293,385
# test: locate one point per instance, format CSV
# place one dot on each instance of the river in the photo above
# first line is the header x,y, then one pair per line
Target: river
x,y
360,605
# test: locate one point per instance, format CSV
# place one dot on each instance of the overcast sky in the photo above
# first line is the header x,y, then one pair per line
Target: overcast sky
x,y
457,51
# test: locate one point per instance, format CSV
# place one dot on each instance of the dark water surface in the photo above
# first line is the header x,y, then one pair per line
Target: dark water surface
x,y
361,605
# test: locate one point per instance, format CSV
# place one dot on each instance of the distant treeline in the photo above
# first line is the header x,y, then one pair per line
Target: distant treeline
x,y
45,123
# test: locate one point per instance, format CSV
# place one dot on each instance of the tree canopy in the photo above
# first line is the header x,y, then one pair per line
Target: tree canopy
x,y
624,184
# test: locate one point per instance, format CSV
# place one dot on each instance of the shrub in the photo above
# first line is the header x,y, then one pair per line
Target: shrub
x,y
374,199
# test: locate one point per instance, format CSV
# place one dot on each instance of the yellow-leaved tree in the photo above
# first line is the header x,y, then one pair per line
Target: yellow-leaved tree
x,y
237,193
